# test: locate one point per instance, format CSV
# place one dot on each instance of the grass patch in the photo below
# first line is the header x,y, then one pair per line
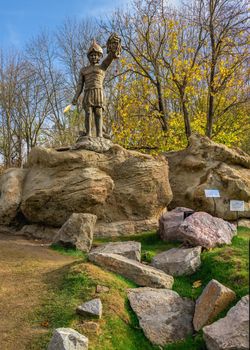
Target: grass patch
x,y
119,328
227,264
69,251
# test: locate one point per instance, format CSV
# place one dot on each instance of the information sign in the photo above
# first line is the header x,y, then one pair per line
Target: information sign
x,y
236,205
212,193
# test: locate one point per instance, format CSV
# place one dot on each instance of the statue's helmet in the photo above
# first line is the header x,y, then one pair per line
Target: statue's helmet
x,y
95,48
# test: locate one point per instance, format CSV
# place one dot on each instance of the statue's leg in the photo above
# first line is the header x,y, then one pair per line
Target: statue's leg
x,y
88,118
98,121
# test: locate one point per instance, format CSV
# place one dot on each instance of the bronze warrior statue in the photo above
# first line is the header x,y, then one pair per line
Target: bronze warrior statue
x,y
91,79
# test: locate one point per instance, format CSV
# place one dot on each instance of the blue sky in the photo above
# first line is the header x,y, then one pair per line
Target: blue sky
x,y
22,19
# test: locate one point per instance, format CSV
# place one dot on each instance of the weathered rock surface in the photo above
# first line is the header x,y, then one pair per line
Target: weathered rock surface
x,y
214,299
129,249
202,229
205,164
95,144
141,274
170,222
77,232
11,184
39,232
68,339
117,186
232,331
124,227
244,223
92,308
163,315
178,261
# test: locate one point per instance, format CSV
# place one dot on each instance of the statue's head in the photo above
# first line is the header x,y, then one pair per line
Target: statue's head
x,y
95,53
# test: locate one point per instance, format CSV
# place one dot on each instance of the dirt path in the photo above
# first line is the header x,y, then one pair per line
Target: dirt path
x,y
26,270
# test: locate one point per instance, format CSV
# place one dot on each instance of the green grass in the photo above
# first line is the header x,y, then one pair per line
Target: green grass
x,y
69,251
119,328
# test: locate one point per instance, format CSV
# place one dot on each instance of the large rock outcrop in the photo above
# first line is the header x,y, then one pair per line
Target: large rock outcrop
x,y
118,186
205,164
11,185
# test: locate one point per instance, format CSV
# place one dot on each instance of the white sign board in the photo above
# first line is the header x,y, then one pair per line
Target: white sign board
x,y
237,205
212,193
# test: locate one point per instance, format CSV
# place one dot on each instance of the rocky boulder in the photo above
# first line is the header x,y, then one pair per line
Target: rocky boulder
x,y
178,261
68,339
129,249
77,232
202,229
116,185
205,164
170,222
163,315
214,299
232,331
141,274
11,187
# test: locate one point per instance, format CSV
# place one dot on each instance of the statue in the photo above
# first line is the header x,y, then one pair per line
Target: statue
x,y
91,80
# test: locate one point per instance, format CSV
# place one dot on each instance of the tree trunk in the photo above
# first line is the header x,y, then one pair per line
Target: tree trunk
x,y
210,109
163,114
188,129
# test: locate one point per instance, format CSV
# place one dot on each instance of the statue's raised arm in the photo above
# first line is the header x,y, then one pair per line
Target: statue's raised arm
x,y
114,48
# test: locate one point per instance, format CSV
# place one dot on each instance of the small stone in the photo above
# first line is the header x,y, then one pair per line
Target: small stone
x,y
68,339
232,331
178,261
214,299
101,289
90,326
92,308
137,272
164,316
129,249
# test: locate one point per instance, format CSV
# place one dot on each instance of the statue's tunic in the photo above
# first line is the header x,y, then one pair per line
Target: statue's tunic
x,y
92,77
93,92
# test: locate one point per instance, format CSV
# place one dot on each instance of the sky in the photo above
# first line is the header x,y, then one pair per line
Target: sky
x,y
20,20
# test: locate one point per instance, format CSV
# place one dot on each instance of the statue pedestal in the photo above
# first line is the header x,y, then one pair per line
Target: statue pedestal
x,y
96,144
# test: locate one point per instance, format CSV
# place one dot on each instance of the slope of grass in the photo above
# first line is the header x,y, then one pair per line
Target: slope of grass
x,y
119,328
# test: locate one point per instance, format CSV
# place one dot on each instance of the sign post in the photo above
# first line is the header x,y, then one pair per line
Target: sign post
x,y
212,193
236,205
